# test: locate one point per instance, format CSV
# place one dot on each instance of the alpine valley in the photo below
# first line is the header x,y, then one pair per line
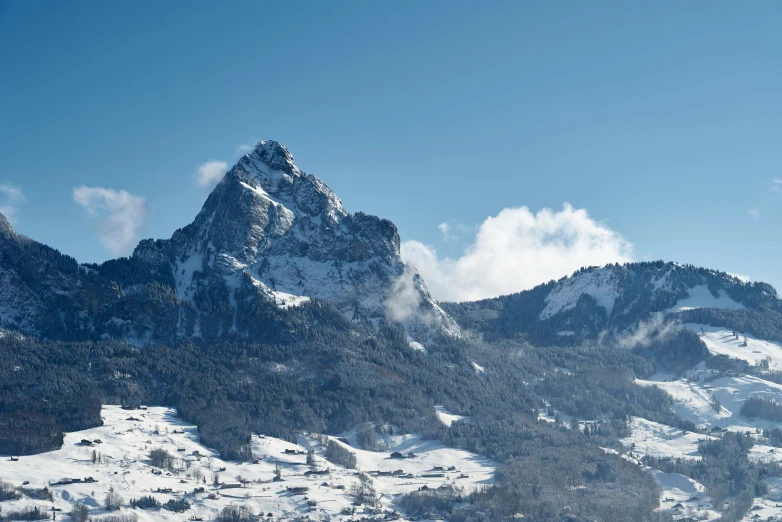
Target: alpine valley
x,y
277,359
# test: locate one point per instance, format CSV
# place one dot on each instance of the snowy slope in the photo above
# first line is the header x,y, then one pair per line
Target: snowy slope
x,y
680,496
701,297
602,285
658,440
692,401
446,417
643,288
683,496
128,436
709,398
722,341
695,401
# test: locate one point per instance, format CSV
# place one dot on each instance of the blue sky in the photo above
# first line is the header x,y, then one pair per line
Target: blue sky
x,y
662,121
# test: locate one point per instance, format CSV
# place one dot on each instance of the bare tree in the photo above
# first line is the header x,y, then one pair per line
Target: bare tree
x,y
113,500
80,512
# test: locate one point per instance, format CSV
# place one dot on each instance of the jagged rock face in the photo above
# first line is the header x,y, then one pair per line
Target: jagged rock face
x,y
270,227
268,237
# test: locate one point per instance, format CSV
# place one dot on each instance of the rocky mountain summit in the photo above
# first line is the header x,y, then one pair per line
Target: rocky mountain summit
x,y
269,237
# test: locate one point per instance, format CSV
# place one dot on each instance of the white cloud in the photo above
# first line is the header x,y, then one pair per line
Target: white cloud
x,y
405,298
120,216
211,172
245,148
517,250
754,212
445,228
451,232
655,329
12,192
775,185
10,198
741,277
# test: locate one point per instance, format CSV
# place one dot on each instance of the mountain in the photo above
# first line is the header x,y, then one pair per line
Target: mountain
x,y
269,237
611,299
274,245
278,313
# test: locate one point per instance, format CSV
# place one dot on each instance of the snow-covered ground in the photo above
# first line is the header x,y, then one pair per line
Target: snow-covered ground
x,y
128,436
415,345
659,440
722,341
680,495
711,399
770,506
699,401
701,297
692,401
601,285
551,414
446,417
284,300
765,454
684,497
605,286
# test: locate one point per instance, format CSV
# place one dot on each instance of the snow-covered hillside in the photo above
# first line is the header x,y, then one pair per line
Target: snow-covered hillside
x,y
620,285
737,345
658,440
684,497
700,296
615,299
121,462
601,285
712,400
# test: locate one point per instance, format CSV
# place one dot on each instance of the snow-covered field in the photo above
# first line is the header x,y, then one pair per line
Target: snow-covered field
x,y
691,401
604,286
710,401
128,436
684,497
718,402
770,506
659,440
722,341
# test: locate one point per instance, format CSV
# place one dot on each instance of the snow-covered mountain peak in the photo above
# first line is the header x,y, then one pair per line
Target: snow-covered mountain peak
x,y
270,175
275,156
269,237
271,230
